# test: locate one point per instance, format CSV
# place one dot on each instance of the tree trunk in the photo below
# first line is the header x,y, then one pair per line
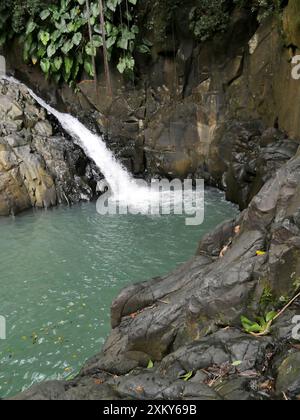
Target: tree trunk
x,y
91,41
105,54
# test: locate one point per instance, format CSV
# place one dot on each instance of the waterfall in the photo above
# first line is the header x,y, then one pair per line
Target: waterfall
x,y
123,186
125,190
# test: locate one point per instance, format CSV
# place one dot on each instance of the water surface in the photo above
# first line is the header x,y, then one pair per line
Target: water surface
x,y
61,269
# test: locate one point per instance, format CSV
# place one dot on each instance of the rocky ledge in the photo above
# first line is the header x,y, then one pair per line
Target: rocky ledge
x,y
180,337
39,165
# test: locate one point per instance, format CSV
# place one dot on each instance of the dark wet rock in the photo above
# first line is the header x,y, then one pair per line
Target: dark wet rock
x,y
236,389
153,387
283,329
213,243
52,390
244,157
144,386
39,166
225,346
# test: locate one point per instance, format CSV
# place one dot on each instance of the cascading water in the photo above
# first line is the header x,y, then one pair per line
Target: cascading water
x,y
123,186
125,190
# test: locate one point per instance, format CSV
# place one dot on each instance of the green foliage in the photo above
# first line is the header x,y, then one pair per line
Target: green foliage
x,y
261,326
208,17
150,365
14,15
267,296
56,36
263,8
296,284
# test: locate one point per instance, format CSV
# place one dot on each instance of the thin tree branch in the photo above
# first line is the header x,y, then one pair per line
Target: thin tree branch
x,y
91,41
105,54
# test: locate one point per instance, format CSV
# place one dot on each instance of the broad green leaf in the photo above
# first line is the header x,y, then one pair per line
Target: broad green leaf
x,y
77,38
41,52
255,328
97,29
88,67
97,41
45,14
51,50
270,316
121,65
55,35
112,4
67,47
135,29
44,37
126,36
262,321
68,61
30,27
90,49
126,64
150,365
95,10
45,65
110,42
58,63
246,321
71,27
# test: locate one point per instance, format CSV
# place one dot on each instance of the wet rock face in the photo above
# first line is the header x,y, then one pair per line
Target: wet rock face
x,y
288,379
39,167
244,156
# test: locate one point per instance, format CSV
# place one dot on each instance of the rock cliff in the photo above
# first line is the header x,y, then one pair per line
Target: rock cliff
x,y
189,96
39,166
